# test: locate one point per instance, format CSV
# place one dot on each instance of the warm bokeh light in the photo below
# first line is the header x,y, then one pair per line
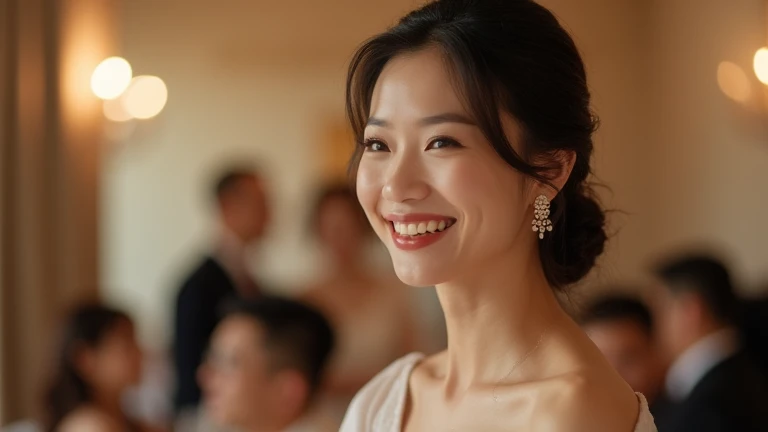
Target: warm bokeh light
x,y
733,81
761,65
114,109
145,97
111,77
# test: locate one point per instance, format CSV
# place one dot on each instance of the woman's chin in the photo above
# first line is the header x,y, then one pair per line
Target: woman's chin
x,y
418,276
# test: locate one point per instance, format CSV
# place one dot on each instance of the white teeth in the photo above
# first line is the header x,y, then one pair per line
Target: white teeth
x,y
420,227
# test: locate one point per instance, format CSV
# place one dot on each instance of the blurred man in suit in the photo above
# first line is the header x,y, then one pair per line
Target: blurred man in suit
x,y
265,366
622,328
241,205
711,385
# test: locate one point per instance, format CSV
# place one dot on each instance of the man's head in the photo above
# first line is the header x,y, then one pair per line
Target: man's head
x,y
265,364
696,299
242,203
622,328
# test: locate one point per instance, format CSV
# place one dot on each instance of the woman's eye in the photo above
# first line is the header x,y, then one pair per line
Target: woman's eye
x,y
375,146
441,143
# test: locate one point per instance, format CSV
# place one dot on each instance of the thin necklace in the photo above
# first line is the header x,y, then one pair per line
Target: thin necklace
x,y
514,366
518,363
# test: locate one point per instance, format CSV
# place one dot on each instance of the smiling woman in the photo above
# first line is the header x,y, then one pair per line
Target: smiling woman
x,y
473,118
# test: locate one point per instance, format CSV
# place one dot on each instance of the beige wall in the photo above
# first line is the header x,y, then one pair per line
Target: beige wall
x,y
264,81
710,169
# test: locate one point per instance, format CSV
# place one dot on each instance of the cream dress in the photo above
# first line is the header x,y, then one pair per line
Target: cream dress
x,y
379,406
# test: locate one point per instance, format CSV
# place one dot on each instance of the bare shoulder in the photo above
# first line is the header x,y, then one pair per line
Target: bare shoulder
x,y
591,400
88,419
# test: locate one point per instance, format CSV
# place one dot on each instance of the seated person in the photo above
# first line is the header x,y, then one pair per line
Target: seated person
x,y
622,328
265,364
98,360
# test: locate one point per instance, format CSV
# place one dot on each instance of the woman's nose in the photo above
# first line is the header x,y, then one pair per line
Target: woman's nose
x,y
404,180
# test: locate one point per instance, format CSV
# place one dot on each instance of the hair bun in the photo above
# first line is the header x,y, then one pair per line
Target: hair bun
x,y
579,237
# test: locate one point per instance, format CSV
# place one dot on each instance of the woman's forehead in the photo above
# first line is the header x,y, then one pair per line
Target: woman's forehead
x,y
415,85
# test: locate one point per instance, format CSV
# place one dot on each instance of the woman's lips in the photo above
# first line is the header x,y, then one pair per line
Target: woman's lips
x,y
418,230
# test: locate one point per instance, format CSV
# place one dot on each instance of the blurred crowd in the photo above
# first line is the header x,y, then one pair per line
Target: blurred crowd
x,y
245,359
695,350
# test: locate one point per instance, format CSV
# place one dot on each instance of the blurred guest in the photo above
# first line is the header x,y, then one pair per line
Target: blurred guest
x,y
622,328
711,384
370,313
754,323
242,209
265,365
98,360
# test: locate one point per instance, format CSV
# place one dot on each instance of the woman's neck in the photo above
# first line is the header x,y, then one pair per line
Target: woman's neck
x,y
111,404
495,317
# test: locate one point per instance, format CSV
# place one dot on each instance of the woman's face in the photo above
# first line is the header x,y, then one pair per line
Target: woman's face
x,y
427,166
115,363
340,228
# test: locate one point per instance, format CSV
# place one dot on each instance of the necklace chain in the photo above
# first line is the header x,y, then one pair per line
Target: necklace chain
x,y
518,363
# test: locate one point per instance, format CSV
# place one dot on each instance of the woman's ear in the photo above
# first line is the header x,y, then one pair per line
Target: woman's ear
x,y
559,166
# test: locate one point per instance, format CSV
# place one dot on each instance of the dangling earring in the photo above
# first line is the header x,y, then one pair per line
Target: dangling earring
x,y
541,220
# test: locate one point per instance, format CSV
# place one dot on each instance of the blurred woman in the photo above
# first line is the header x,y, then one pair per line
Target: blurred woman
x,y
98,360
369,311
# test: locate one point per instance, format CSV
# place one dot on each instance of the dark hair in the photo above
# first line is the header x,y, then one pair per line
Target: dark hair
x,y
340,191
705,276
228,180
298,336
618,308
86,326
509,55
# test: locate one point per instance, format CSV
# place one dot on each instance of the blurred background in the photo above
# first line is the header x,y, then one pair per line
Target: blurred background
x,y
110,199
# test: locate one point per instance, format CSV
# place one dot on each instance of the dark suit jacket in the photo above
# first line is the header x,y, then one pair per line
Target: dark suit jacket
x,y
198,311
732,397
754,317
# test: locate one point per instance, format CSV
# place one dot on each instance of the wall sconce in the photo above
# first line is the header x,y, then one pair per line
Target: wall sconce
x,y
145,97
760,64
127,97
111,77
733,81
